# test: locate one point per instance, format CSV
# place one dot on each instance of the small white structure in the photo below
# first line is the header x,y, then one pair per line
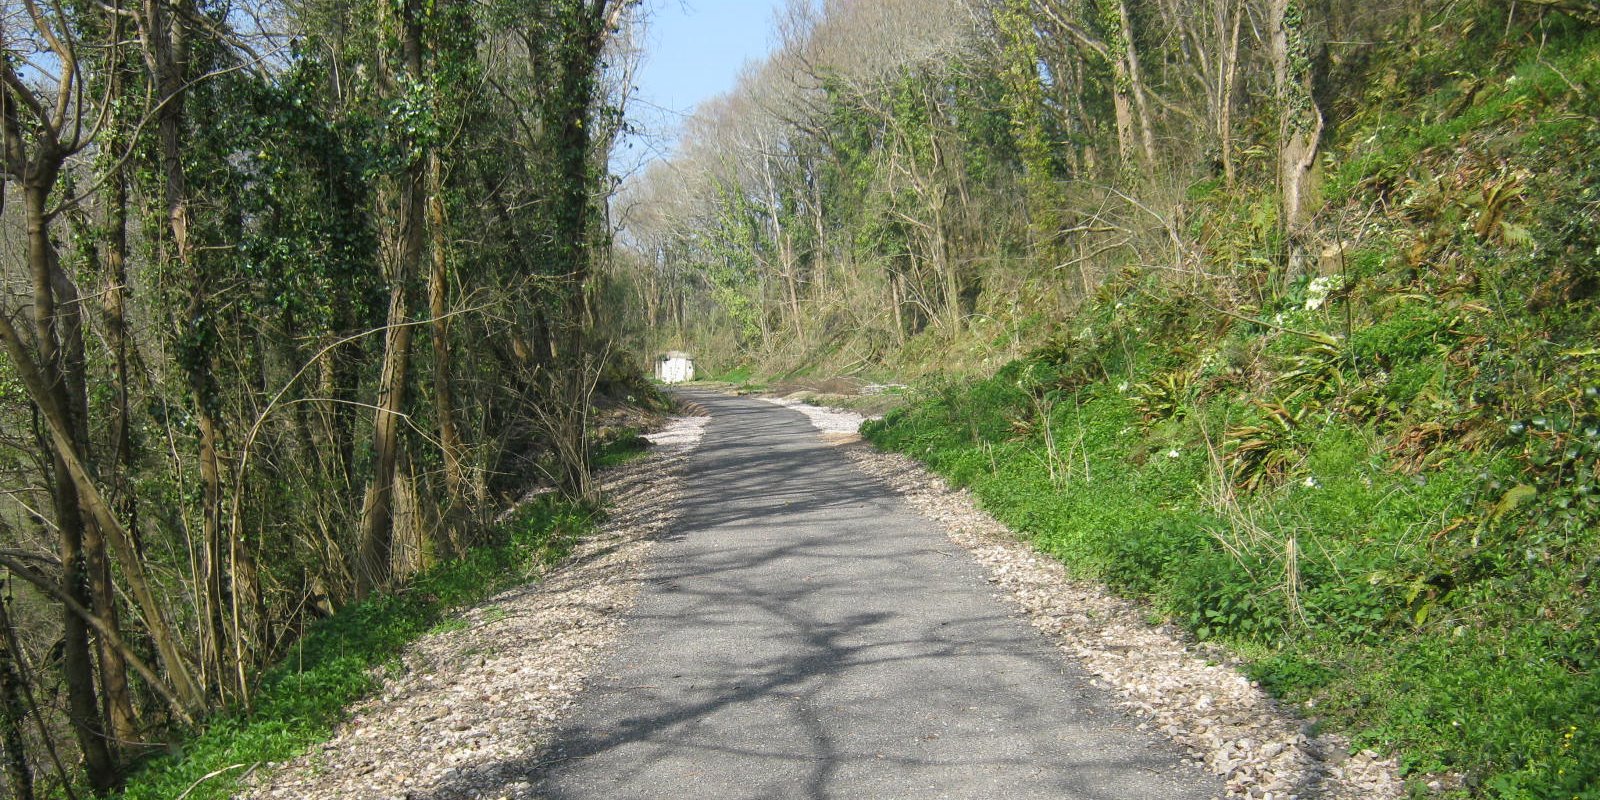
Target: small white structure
x,y
674,367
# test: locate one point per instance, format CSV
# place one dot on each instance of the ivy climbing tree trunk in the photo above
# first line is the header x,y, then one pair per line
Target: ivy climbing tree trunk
x,y
1299,119
403,198
167,44
444,405
584,26
116,697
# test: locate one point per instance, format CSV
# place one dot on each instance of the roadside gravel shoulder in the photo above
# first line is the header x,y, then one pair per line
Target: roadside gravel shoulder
x,y
486,690
1191,692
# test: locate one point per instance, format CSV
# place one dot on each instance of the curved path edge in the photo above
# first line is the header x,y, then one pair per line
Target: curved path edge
x,y
806,634
486,691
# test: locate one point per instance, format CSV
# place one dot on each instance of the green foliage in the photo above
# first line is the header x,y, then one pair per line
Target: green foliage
x,y
1480,95
614,447
1263,451
738,375
1166,396
332,665
1349,580
1569,217
1365,453
1414,332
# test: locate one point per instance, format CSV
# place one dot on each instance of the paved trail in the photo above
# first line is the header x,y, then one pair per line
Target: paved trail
x,y
805,635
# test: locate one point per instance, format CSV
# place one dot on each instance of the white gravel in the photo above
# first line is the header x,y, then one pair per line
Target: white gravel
x,y
1191,692
472,704
827,420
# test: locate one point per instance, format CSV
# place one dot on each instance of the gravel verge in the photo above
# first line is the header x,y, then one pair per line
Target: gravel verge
x,y
486,690
1191,692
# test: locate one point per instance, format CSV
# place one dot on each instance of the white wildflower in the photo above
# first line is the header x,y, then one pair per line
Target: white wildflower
x,y
1311,482
1317,292
1173,453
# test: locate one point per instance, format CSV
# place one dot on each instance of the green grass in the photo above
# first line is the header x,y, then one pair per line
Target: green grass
x,y
300,700
618,448
1468,678
736,375
1521,104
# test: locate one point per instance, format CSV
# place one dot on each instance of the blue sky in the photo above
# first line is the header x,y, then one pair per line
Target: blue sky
x,y
693,51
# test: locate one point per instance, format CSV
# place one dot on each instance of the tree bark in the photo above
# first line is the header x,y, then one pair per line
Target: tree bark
x,y
1299,119
116,695
407,194
13,713
1228,74
77,662
1147,136
444,406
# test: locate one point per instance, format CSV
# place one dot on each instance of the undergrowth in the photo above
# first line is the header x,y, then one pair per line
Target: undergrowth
x,y
1378,476
340,659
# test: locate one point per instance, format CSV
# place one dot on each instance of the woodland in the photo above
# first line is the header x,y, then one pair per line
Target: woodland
x,y
1278,315
295,299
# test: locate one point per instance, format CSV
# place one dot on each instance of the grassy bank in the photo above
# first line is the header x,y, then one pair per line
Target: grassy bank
x,y
339,660
1359,592
1376,476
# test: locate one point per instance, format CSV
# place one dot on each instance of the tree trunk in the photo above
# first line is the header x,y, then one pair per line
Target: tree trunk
x,y
77,663
1228,74
443,381
1147,136
116,696
573,217
1116,52
407,195
13,712
166,44
781,239
949,270
374,565
1299,119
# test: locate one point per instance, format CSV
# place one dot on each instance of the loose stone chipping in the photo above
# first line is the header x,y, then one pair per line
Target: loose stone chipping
x,y
1190,692
483,695
471,703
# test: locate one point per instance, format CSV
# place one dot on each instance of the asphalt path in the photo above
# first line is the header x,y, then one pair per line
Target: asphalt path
x,y
804,634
